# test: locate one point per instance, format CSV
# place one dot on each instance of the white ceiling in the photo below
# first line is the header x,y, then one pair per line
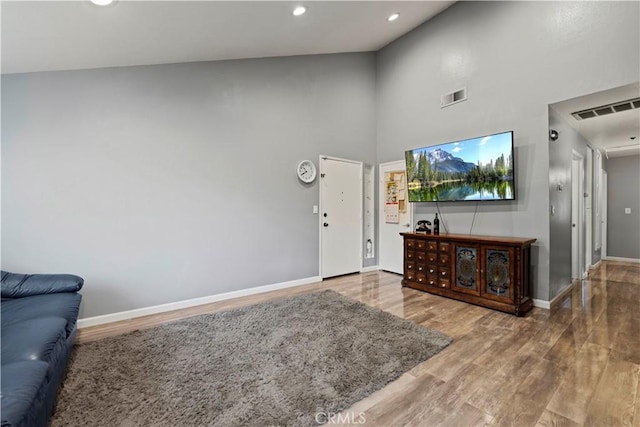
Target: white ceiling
x,y
68,35
613,132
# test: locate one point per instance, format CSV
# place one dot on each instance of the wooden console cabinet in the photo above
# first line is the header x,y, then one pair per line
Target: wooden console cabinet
x,y
489,271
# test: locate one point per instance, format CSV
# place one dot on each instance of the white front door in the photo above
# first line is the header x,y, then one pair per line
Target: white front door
x,y
391,251
340,216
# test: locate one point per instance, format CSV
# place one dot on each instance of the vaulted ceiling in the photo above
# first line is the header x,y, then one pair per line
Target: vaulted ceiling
x,y
67,35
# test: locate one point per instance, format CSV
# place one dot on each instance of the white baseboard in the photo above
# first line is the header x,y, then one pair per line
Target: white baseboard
x,y
542,304
370,268
146,311
596,265
548,304
563,293
617,258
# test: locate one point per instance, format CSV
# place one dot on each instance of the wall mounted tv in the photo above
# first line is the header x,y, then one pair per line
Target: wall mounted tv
x,y
473,169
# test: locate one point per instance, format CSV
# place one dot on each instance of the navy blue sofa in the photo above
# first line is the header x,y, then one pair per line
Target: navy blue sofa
x,y
39,314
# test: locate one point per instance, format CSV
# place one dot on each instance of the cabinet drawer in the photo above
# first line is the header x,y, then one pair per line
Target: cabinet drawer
x,y
432,269
421,278
421,256
410,243
444,273
432,257
445,246
432,280
410,265
421,268
410,275
432,245
445,259
410,255
421,245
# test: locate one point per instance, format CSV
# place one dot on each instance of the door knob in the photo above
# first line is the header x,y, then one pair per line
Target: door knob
x,y
325,224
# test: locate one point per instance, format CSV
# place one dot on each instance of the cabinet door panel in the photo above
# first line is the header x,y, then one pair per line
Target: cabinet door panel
x,y
497,271
466,266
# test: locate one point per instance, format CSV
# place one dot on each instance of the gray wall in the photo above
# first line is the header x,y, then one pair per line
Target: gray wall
x,y
515,58
163,183
623,232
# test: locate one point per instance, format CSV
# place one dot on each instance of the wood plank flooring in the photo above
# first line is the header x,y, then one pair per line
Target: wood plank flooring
x,y
575,365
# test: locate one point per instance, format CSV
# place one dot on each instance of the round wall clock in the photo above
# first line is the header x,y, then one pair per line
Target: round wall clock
x,y
306,171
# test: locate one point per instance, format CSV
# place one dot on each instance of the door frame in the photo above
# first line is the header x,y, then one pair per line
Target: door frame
x,y
380,205
320,217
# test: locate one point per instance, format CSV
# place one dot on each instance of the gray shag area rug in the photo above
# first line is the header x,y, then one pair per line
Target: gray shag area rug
x,y
277,363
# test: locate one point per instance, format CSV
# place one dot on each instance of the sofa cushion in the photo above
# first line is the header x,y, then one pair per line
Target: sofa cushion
x,y
34,339
23,285
64,305
23,385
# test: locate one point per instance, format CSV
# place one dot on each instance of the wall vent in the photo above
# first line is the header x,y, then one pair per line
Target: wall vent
x,y
453,97
603,110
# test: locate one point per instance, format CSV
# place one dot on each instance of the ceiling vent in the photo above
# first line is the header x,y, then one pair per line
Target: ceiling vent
x,y
453,97
603,110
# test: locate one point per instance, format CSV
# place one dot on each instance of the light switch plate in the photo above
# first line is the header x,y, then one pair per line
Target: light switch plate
x,y
627,211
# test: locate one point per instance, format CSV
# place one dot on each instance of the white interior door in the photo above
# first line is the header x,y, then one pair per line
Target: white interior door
x,y
588,201
577,222
603,203
390,251
340,216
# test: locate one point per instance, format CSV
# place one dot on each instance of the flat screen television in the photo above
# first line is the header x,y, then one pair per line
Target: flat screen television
x,y
473,169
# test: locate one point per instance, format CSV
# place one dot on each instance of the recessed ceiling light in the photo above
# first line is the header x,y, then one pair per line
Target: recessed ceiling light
x,y
393,17
299,10
102,2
